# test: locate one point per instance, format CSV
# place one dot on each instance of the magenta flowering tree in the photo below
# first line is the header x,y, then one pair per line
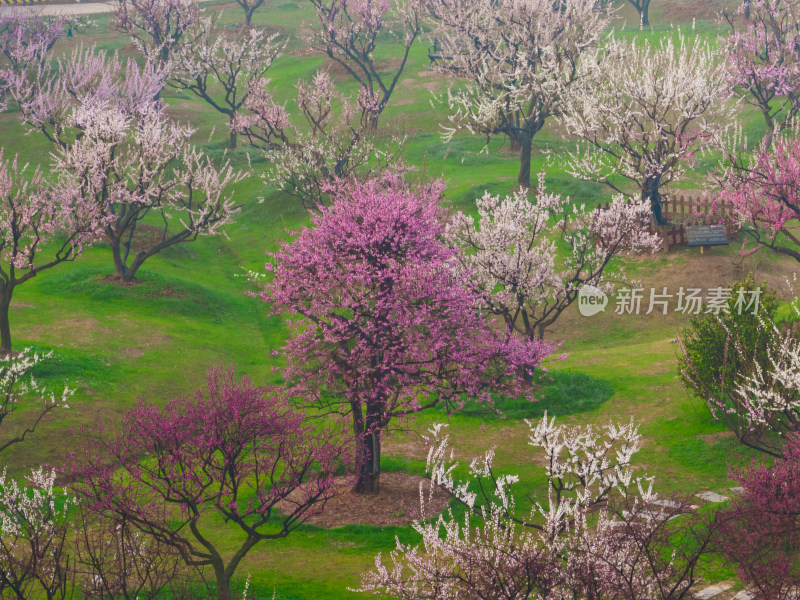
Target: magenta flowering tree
x,y
765,192
760,531
350,32
234,453
763,58
384,325
40,228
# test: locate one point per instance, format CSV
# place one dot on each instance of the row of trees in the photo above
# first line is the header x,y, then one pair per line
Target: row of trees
x,y
138,516
642,110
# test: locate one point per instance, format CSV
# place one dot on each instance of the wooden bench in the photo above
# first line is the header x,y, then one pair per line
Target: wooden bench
x,y
446,50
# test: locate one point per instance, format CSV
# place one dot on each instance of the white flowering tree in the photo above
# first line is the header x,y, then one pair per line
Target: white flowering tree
x,y
33,538
520,61
18,386
498,550
645,110
221,66
757,393
331,140
512,252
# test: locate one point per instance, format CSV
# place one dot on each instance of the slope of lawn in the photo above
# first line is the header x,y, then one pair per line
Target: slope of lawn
x,y
190,310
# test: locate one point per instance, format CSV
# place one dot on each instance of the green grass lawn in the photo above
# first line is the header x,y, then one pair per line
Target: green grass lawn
x,y
156,339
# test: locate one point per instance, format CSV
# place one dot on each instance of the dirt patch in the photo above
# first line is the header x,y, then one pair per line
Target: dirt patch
x,y
396,505
165,292
716,438
405,444
336,69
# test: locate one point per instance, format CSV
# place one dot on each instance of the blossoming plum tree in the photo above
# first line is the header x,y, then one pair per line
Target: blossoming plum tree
x,y
645,111
157,27
351,32
17,386
222,67
384,326
764,190
41,227
333,141
763,59
512,255
129,160
602,533
520,61
26,39
34,548
235,452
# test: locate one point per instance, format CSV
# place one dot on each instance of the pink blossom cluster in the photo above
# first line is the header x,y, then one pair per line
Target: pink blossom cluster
x,y
384,325
762,526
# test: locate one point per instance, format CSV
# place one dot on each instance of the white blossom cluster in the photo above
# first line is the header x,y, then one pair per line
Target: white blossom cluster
x,y
512,251
645,109
561,550
17,383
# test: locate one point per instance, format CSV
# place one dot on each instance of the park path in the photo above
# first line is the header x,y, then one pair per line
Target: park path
x,y
69,10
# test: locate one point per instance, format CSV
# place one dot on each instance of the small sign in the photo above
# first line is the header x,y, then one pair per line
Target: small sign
x,y
706,235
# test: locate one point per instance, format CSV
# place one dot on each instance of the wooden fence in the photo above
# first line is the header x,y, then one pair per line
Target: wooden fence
x,y
682,210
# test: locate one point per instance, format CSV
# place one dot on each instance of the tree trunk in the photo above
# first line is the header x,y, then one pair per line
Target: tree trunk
x,y
369,463
524,177
644,14
223,584
770,127
248,16
650,193
5,325
119,264
233,139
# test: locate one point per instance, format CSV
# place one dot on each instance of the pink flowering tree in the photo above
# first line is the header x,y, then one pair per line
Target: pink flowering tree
x,y
34,547
382,326
331,141
764,190
238,453
26,39
129,161
763,58
645,111
83,79
520,61
601,532
157,27
40,228
761,527
221,67
352,32
512,252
